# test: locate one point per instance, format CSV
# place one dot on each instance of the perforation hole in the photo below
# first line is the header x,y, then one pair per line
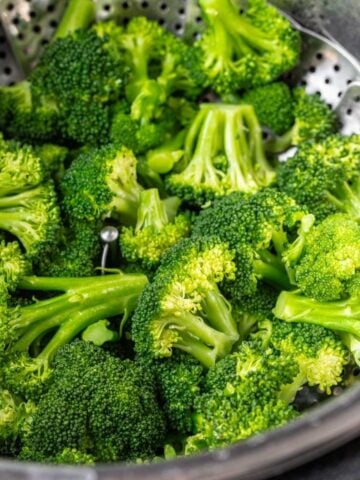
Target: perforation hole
x,y
312,69
161,22
178,27
198,19
51,8
350,80
107,7
125,5
327,81
2,54
337,68
16,21
319,55
144,4
32,14
357,99
7,70
53,23
181,11
10,6
163,6
37,28
349,111
340,94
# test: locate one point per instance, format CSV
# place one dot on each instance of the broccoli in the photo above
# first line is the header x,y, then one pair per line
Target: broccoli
x,y
314,120
15,421
21,168
257,229
183,307
242,51
274,106
97,408
323,176
32,216
82,302
32,110
54,159
163,158
179,380
76,253
100,183
242,397
223,153
154,234
13,264
319,353
327,276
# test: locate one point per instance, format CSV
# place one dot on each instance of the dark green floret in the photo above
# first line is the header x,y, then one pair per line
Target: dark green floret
x,y
246,50
179,379
274,106
257,230
314,120
101,183
98,408
183,307
323,176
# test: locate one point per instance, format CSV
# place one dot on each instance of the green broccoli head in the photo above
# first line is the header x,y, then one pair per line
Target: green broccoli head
x,y
242,397
257,229
314,120
32,216
323,176
21,168
246,50
102,183
179,380
108,417
274,106
154,234
183,308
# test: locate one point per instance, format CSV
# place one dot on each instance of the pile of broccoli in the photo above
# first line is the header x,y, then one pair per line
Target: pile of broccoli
x,y
234,283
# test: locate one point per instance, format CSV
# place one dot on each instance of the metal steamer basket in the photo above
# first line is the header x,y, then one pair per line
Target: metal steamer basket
x,y
328,67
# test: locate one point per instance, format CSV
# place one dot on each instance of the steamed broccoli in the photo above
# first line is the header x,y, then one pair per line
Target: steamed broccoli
x,y
39,108
323,176
83,301
257,230
101,183
183,307
179,380
246,50
223,153
155,231
97,408
274,106
243,397
314,120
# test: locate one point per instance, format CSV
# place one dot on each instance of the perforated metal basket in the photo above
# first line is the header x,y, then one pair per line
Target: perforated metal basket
x,y
326,68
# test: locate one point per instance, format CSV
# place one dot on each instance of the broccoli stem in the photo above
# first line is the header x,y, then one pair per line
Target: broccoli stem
x,y
288,392
346,198
282,143
271,274
163,158
264,173
207,335
204,354
340,316
218,313
238,153
19,224
78,14
82,294
152,211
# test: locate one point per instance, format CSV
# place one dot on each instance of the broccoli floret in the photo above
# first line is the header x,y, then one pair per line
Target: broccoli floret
x,y
82,302
179,380
21,168
183,307
323,177
257,230
327,274
76,253
319,353
274,106
32,111
233,135
15,421
99,405
154,234
246,50
54,159
101,183
314,120
32,216
13,264
242,397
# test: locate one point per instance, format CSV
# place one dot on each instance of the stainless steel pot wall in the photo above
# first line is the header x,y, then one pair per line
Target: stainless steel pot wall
x,y
320,430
